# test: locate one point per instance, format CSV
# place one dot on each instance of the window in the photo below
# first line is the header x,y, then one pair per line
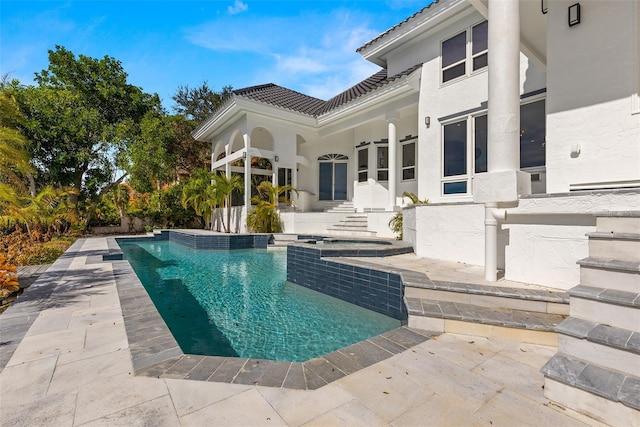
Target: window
x,y
454,56
383,163
363,165
480,139
409,161
455,52
479,45
465,146
532,134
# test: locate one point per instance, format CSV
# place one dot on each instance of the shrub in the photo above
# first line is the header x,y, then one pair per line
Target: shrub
x,y
8,278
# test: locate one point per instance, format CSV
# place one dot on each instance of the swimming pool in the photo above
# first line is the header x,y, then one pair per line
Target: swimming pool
x,y
238,303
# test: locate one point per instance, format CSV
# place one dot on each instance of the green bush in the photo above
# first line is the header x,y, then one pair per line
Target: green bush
x,y
40,254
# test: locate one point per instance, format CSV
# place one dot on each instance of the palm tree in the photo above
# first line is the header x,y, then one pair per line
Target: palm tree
x,y
225,186
199,193
396,222
264,218
120,197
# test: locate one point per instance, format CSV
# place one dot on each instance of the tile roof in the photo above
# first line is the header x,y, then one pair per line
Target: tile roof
x,y
298,102
282,97
369,84
372,41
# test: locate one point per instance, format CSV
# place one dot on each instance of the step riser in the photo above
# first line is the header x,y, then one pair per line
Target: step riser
x,y
351,233
621,250
618,224
599,408
612,279
482,330
624,361
488,301
608,314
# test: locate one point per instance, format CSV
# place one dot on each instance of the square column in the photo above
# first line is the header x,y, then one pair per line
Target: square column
x,y
392,121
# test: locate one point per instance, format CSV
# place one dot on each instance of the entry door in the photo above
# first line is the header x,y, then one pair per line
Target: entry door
x,y
333,181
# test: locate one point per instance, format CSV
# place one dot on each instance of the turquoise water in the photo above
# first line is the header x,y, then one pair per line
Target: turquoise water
x,y
238,303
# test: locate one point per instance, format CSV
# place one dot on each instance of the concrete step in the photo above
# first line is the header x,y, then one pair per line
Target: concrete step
x,y
471,319
354,232
600,344
601,393
614,274
540,301
618,246
608,306
618,222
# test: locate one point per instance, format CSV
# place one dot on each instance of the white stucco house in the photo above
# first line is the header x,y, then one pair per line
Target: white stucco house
x,y
516,119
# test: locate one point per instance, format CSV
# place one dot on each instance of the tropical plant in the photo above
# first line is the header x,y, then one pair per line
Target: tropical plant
x,y
264,217
200,194
396,223
50,211
120,195
225,186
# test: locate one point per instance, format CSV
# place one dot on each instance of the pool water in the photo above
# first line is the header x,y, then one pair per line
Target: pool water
x,y
238,303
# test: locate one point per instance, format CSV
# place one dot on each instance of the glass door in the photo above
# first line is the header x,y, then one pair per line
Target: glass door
x,y
333,181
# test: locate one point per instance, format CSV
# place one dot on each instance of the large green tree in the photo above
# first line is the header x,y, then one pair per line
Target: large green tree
x,y
198,103
80,119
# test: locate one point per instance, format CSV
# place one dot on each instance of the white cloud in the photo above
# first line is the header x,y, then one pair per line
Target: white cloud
x,y
238,7
314,53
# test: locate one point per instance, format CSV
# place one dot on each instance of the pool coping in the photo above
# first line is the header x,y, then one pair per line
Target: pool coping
x,y
155,352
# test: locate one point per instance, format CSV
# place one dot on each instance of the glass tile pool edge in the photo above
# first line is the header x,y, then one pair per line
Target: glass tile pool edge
x,y
155,352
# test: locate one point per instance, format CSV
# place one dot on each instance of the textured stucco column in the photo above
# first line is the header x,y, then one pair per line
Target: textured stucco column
x,y
503,181
503,119
392,121
247,173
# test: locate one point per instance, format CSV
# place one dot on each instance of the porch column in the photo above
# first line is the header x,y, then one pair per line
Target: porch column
x,y
392,121
503,182
247,173
503,119
227,163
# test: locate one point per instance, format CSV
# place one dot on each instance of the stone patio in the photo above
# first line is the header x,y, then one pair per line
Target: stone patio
x,y
68,363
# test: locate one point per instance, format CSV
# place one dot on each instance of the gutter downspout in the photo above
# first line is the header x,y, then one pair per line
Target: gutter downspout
x,y
492,216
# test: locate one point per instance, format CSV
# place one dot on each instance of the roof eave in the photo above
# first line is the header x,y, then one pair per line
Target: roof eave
x,y
376,51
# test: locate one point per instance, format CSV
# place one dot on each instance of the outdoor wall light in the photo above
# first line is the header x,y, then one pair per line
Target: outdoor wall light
x,y
543,7
244,155
427,121
574,14
276,158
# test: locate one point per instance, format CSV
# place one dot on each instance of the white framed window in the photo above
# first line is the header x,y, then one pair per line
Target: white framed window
x,y
462,55
409,161
479,45
363,164
382,162
465,149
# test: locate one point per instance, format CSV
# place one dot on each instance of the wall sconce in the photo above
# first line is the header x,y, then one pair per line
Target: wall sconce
x,y
427,121
543,7
276,158
574,14
244,155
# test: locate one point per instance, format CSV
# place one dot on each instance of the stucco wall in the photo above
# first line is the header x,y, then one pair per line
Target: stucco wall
x,y
541,239
592,80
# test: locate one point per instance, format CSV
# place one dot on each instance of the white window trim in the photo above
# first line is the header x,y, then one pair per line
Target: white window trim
x,y
358,170
415,160
470,120
387,169
468,60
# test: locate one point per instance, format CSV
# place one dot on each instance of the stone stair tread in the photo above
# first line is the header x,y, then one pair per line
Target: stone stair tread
x,y
611,264
497,291
613,235
610,336
594,379
509,318
607,296
618,214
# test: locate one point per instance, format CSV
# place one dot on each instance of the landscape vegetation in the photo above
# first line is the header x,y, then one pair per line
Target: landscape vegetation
x,y
83,148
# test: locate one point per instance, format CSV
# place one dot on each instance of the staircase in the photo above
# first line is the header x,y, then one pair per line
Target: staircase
x,y
596,371
526,315
354,225
339,206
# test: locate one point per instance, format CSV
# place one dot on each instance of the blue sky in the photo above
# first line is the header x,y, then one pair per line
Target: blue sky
x,y
308,46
